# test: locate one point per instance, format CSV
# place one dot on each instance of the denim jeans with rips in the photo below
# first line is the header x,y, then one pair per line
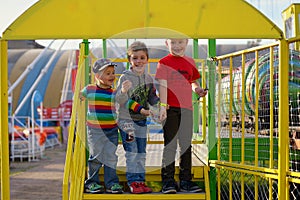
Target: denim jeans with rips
x,y
135,151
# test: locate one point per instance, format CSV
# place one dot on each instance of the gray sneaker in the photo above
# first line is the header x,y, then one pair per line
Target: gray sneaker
x,y
169,187
189,186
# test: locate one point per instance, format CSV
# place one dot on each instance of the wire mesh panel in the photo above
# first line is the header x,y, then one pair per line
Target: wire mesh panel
x,y
247,97
294,191
248,118
233,181
294,121
247,101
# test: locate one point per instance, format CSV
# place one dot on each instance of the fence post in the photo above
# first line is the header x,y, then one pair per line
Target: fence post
x,y
4,151
195,103
212,141
283,126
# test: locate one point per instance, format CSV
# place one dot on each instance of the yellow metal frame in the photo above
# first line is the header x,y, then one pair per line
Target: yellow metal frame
x,y
74,19
283,146
280,174
142,19
4,150
75,156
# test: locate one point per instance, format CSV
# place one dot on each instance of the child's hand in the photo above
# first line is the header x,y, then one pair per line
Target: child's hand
x,y
145,112
162,113
126,85
81,97
201,92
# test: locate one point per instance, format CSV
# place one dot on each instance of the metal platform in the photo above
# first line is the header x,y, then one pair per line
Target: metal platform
x,y
179,196
153,174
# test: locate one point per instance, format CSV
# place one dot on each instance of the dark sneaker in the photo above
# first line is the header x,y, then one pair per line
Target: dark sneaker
x,y
189,186
94,188
136,188
115,189
169,187
146,189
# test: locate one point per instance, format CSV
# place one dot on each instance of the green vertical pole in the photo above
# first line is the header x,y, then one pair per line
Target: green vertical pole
x,y
195,97
86,61
104,48
212,140
87,70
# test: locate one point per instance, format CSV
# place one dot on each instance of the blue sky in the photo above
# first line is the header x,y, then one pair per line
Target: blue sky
x,y
11,9
273,8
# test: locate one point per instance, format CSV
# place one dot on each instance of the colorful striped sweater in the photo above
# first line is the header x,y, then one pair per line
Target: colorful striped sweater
x,y
101,107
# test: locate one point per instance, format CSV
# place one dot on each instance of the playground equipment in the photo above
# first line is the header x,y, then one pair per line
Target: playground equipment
x,y
248,123
151,19
263,92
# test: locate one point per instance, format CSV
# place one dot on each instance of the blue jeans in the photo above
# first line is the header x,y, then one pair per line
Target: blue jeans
x,y
102,148
135,152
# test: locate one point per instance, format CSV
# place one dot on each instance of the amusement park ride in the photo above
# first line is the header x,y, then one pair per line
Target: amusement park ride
x,y
246,144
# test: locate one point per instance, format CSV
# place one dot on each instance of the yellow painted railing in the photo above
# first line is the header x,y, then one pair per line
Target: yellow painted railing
x,y
75,164
253,137
231,164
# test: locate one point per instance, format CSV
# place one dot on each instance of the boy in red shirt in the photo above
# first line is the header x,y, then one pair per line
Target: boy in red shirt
x,y
177,75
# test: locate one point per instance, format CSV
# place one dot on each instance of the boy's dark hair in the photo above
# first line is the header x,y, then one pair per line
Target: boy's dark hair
x,y
137,46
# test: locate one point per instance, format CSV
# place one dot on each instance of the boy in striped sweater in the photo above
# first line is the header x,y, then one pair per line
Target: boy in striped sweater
x,y
102,133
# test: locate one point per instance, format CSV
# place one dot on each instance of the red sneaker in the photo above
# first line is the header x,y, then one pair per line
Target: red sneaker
x,y
136,188
146,189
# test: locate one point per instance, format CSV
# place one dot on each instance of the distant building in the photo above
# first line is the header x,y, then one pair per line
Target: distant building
x,y
24,44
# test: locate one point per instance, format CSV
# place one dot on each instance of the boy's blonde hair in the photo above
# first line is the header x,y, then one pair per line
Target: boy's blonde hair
x,y
137,46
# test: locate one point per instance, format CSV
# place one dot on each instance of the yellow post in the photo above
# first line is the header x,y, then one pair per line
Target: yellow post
x,y
283,128
219,126
256,122
230,123
243,126
4,152
271,118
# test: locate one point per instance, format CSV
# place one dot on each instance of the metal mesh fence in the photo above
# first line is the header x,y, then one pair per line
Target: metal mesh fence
x,y
231,186
247,100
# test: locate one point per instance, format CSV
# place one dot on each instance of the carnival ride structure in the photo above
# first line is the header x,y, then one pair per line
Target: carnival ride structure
x,y
264,92
222,160
34,127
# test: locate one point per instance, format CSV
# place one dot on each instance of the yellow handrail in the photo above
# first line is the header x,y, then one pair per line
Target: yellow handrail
x,y
72,173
